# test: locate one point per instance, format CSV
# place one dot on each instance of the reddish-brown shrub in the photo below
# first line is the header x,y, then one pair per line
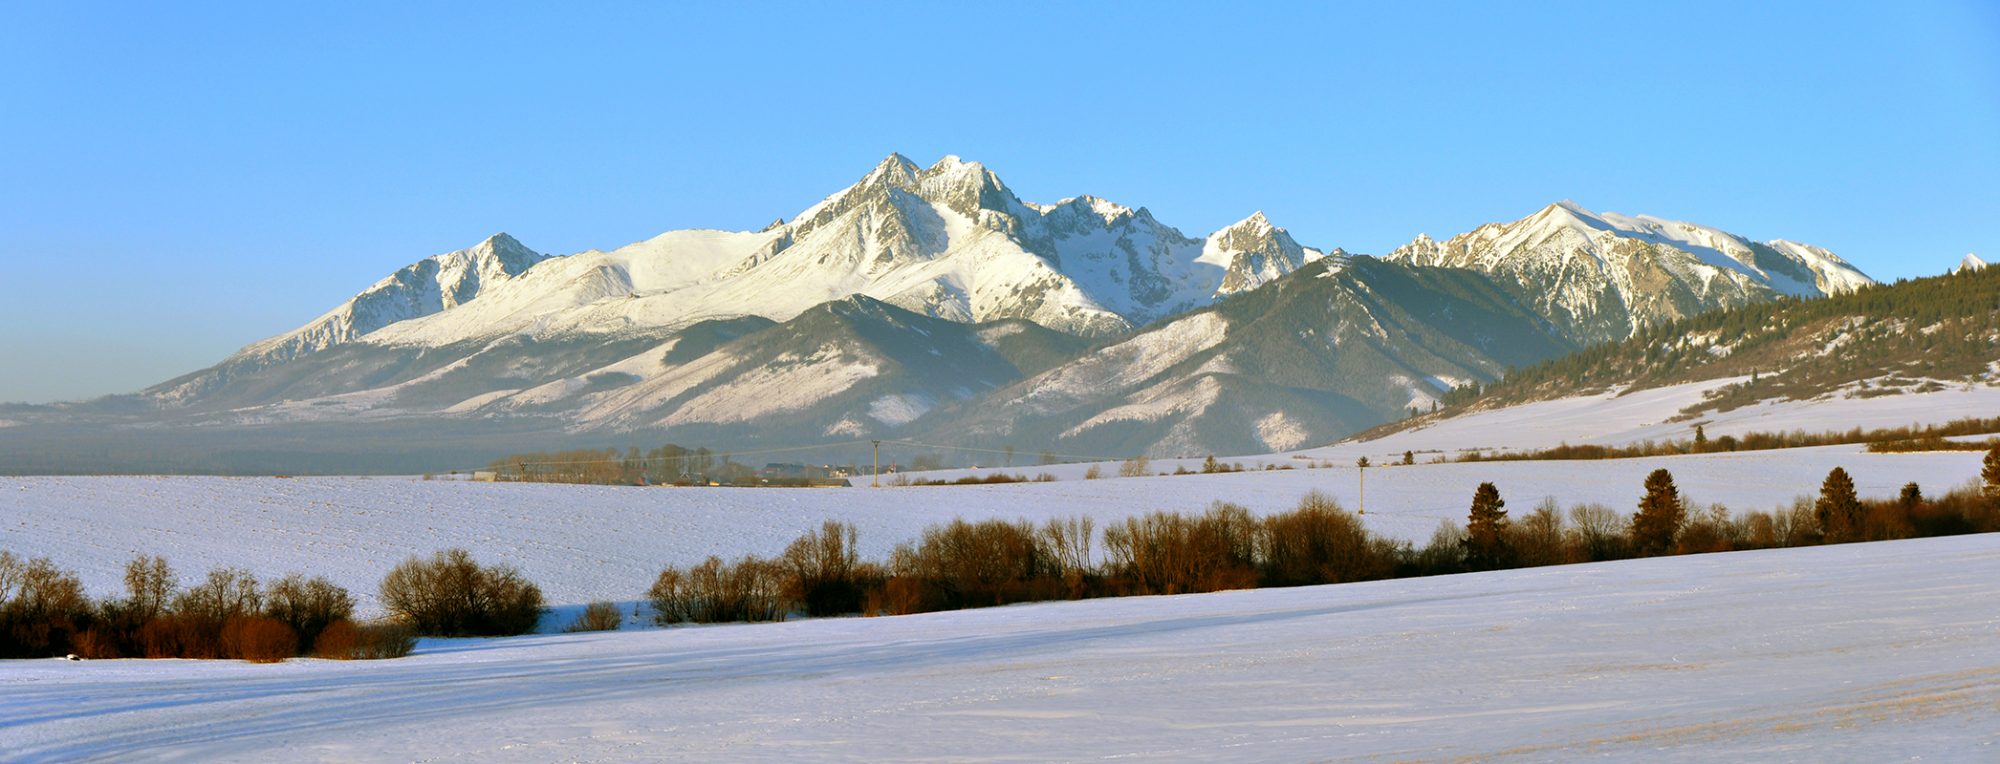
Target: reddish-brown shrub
x,y
259,639
897,595
307,605
97,644
337,640
160,637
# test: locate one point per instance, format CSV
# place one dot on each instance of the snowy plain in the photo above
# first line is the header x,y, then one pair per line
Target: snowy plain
x,y
1863,652
583,543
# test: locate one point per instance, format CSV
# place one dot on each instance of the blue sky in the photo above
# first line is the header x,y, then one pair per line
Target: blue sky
x,y
179,182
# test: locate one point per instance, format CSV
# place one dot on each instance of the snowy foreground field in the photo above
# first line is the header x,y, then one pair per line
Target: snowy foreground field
x,y
1866,652
582,543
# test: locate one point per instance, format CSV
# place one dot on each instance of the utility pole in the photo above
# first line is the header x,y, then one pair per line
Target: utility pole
x,y
875,478
1362,501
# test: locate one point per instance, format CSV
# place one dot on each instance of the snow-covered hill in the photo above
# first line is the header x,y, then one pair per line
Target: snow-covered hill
x,y
1604,276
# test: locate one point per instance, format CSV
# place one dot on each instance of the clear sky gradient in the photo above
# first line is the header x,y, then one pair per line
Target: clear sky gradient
x,y
177,183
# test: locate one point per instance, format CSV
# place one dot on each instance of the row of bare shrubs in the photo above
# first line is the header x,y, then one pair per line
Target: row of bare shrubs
x,y
229,614
44,611
965,564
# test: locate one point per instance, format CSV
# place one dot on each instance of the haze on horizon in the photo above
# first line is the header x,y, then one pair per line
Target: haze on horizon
x,y
183,183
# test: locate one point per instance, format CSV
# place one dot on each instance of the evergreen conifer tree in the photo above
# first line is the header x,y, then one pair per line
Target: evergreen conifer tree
x,y
1838,508
1486,530
1991,473
1661,513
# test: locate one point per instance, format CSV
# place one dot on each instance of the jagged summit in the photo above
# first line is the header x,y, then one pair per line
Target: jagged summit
x,y
1253,252
1608,274
1970,263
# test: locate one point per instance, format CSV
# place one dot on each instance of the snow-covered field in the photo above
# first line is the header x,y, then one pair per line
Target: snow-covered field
x,y
582,543
1867,652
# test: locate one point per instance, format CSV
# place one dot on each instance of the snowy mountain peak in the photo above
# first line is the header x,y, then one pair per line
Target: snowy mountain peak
x,y
894,169
1252,252
507,252
1609,275
1570,206
1256,222
1970,263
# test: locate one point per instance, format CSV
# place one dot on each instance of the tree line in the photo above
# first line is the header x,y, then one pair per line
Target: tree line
x,y
965,564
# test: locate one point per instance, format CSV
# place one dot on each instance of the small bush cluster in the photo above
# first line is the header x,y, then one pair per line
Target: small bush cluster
x,y
229,614
43,611
597,616
715,591
451,595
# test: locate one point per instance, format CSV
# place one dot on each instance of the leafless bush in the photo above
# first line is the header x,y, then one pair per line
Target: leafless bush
x,y
1321,543
1598,533
226,593
41,607
1445,553
149,586
258,639
384,640
977,564
822,572
1136,466
1067,541
718,592
346,640
1170,553
597,616
307,605
1538,537
450,595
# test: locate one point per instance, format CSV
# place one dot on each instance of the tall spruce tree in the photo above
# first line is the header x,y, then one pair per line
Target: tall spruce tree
x,y
1991,473
1486,530
1661,514
1912,497
1838,508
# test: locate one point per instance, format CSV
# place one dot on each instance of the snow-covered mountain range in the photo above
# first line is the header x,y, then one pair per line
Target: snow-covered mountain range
x,y
933,301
